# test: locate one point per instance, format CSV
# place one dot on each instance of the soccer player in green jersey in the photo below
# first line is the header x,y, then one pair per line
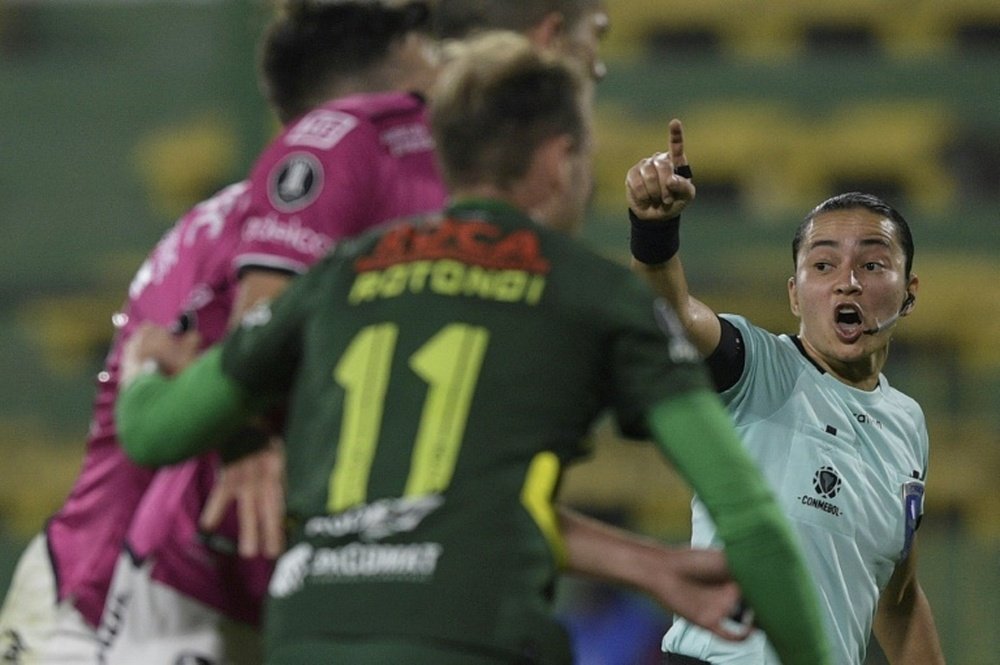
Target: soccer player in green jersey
x,y
438,374
845,453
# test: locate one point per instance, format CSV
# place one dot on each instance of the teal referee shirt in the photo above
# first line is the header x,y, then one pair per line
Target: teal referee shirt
x,y
848,468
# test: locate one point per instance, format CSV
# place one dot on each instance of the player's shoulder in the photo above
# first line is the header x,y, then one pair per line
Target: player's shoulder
x,y
351,128
760,339
600,280
378,107
229,200
327,125
321,130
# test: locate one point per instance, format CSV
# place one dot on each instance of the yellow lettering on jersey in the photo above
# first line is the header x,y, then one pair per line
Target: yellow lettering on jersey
x,y
536,497
364,373
365,288
450,364
448,277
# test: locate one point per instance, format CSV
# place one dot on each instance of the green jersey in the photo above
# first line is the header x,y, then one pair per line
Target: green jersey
x,y
442,373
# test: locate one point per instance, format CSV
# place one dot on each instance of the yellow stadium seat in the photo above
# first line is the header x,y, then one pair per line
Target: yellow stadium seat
x,y
894,142
633,22
932,27
780,28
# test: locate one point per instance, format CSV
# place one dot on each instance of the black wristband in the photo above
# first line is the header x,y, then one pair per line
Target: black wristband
x,y
654,242
657,242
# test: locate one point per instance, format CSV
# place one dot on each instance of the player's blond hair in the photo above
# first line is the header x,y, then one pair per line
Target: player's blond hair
x,y
497,100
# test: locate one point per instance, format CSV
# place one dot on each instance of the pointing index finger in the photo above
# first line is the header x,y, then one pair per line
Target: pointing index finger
x,y
677,143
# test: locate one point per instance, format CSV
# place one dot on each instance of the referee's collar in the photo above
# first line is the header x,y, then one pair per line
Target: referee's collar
x,y
802,349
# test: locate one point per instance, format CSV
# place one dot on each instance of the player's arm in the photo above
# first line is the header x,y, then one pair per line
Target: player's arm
x,y
253,480
696,434
658,190
695,584
904,624
162,420
256,285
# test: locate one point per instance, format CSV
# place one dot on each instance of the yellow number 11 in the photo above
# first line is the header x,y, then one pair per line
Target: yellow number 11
x,y
449,362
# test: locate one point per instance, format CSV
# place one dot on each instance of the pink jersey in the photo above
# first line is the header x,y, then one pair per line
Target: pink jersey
x,y
337,171
340,169
187,273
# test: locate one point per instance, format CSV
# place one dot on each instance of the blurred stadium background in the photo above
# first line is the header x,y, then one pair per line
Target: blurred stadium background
x,y
116,116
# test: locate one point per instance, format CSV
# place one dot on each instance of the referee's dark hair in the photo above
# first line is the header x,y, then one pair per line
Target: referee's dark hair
x,y
855,200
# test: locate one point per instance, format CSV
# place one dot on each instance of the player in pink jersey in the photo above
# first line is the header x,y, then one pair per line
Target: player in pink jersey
x,y
332,172
58,595
58,592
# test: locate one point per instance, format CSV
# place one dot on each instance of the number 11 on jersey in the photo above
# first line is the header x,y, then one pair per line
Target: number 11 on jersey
x,y
449,362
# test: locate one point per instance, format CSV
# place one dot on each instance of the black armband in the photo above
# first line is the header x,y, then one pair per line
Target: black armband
x,y
727,362
654,242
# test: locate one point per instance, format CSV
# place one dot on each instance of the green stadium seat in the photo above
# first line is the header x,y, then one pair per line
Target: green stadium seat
x,y
742,148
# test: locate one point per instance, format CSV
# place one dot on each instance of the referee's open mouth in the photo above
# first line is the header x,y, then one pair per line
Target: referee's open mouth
x,y
848,322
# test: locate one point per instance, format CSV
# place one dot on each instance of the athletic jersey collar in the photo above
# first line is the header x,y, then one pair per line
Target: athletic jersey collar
x,y
494,208
802,349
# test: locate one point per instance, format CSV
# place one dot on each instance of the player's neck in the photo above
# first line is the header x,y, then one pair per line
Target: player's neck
x,y
483,192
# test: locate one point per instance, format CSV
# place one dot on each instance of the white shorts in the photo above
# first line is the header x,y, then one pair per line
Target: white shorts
x,y
34,628
150,623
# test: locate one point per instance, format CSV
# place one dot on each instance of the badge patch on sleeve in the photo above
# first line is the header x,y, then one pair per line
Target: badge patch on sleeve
x,y
913,506
295,182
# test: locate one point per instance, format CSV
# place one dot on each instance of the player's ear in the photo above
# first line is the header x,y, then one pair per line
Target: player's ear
x,y
793,296
552,163
911,296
